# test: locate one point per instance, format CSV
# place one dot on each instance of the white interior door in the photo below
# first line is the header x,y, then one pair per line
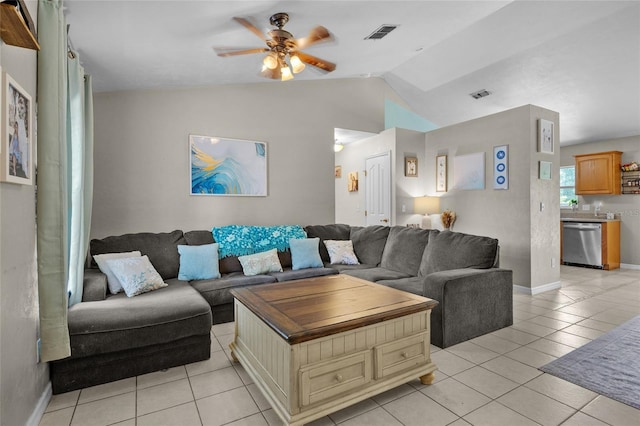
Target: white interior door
x,y
378,190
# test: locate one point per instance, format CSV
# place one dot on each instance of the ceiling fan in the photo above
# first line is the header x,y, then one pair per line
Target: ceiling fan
x,y
284,52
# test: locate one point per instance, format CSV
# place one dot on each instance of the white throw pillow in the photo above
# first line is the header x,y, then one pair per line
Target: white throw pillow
x,y
136,274
115,286
260,263
341,252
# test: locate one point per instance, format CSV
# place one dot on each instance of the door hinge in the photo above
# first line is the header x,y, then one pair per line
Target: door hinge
x,y
365,173
365,212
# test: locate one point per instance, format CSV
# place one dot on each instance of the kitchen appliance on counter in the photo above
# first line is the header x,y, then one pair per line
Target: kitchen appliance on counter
x,y
582,244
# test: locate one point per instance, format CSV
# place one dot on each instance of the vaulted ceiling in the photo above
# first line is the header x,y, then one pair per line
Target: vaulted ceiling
x,y
579,58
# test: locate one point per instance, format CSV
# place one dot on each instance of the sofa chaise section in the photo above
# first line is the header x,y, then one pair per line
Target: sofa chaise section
x,y
121,337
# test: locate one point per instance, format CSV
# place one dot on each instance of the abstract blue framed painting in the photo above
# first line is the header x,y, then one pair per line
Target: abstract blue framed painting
x,y
227,167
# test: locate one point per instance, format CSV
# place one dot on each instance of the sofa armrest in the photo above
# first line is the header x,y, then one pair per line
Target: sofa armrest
x,y
473,302
94,286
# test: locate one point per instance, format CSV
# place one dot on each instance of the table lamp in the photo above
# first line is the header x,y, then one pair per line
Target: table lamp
x,y
425,206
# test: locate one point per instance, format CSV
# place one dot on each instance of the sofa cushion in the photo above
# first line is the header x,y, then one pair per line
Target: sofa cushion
x,y
455,250
198,262
198,238
413,285
342,268
218,292
404,249
120,323
299,274
305,253
162,249
336,231
369,242
375,274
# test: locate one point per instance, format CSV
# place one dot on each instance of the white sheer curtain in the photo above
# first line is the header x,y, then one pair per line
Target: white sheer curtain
x,y
64,179
79,173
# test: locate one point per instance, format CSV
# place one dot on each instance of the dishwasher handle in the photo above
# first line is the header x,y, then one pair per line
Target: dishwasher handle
x,y
583,226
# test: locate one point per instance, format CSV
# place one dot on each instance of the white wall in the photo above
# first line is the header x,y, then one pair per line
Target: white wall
x,y
627,205
22,380
350,206
528,238
142,163
410,143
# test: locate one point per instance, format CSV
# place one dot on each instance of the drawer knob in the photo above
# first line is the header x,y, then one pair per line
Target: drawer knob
x,y
339,378
403,354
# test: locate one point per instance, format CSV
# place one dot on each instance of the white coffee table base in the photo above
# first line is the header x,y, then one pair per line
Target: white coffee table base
x,y
309,380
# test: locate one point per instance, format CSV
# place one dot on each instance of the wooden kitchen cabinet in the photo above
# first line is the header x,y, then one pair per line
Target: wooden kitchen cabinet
x,y
598,173
611,245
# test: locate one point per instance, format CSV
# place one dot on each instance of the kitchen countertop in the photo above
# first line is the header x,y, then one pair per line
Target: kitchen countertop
x,y
587,217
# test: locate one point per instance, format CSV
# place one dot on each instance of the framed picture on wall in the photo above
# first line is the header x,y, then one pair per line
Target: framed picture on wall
x,y
545,170
441,173
17,133
338,172
352,184
227,167
411,166
545,136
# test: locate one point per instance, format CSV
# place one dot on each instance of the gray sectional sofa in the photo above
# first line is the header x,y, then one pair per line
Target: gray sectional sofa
x,y
114,336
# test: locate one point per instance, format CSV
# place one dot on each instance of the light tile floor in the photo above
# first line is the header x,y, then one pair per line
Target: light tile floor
x,y
491,380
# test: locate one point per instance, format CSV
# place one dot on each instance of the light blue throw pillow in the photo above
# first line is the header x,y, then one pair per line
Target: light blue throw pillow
x,y
198,262
305,253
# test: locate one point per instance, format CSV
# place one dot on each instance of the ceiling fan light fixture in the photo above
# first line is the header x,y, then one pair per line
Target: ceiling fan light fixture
x,y
296,64
286,73
271,60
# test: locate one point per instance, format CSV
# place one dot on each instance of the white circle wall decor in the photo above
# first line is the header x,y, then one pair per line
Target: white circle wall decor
x,y
501,167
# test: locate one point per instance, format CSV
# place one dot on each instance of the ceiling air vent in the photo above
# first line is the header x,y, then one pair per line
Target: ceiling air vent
x,y
381,32
480,94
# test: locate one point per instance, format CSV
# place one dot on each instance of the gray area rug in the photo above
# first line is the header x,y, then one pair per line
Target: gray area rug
x,y
609,365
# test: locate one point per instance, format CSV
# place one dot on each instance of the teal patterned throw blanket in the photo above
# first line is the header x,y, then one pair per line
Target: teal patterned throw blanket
x,y
240,240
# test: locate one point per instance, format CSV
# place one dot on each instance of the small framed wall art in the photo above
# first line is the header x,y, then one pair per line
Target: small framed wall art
x,y
544,170
17,133
411,166
338,172
501,167
352,184
441,173
545,136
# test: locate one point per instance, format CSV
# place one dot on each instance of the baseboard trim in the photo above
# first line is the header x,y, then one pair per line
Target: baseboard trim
x,y
41,406
537,290
629,266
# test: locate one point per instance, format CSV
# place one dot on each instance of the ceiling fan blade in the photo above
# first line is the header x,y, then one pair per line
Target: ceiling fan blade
x,y
251,27
316,35
316,62
234,52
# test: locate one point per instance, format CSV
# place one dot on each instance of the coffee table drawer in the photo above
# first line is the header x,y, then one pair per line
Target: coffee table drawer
x,y
330,378
401,354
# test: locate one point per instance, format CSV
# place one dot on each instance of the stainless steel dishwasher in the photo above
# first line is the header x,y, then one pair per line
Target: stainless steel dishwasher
x,y
582,243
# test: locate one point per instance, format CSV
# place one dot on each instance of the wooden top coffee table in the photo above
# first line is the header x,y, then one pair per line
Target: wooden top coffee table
x,y
318,345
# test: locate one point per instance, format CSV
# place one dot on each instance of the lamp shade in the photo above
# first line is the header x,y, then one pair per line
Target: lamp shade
x,y
426,205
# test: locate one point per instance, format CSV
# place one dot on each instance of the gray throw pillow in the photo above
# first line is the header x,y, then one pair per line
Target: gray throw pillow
x,y
455,250
369,242
404,249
